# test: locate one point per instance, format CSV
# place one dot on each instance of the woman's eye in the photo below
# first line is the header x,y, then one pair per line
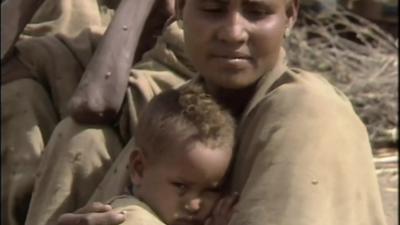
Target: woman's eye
x,y
212,7
257,12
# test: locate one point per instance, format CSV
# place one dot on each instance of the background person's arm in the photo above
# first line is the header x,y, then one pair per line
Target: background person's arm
x,y
101,91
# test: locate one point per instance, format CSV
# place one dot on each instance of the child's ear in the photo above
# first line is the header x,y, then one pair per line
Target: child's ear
x,y
137,166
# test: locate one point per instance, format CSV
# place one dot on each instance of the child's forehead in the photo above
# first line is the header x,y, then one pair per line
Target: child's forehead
x,y
190,151
238,1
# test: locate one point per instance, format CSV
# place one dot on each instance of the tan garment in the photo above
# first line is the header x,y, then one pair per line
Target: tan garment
x,y
67,17
58,61
65,185
27,120
137,212
29,113
304,157
23,132
74,162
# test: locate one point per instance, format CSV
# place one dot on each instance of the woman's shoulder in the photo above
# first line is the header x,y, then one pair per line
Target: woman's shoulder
x,y
297,85
306,96
302,101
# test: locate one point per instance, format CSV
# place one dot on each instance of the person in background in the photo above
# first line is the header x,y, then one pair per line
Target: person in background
x,y
46,47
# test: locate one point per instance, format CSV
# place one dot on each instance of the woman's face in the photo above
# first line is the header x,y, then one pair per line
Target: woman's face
x,y
232,43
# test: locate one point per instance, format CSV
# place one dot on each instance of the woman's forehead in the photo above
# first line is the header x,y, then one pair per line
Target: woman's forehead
x,y
242,2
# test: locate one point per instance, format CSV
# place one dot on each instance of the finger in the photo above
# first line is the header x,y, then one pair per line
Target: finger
x,y
224,206
228,203
94,207
217,209
106,218
233,200
208,221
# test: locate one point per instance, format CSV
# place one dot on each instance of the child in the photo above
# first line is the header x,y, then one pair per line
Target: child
x,y
183,149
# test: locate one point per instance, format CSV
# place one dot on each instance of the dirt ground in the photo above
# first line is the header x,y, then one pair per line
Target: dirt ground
x,y
386,163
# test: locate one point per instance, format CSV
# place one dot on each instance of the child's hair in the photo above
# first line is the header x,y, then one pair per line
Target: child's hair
x,y
187,114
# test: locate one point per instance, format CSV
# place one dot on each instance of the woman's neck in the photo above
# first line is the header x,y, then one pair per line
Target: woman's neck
x,y
235,100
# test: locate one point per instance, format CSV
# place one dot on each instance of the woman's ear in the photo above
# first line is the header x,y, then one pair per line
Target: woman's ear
x,y
179,4
137,166
292,10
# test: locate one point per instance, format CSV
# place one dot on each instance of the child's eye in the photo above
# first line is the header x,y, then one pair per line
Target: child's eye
x,y
214,189
182,188
212,9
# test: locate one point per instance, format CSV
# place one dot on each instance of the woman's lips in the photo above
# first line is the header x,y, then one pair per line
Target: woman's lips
x,y
231,60
231,55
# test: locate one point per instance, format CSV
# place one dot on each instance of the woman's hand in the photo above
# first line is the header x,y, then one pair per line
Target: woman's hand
x,y
223,210
93,214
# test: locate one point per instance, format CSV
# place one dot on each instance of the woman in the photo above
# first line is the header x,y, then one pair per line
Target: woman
x,y
303,156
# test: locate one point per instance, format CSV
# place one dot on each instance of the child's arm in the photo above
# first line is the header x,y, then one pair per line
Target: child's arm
x,y
223,210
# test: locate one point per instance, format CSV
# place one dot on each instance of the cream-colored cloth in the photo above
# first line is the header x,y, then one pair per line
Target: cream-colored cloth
x,y
27,120
68,17
55,54
137,212
65,185
74,162
58,61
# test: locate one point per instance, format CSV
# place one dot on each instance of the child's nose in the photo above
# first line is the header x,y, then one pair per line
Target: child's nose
x,y
193,205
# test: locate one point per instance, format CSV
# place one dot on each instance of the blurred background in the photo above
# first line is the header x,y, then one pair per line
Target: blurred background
x,y
354,44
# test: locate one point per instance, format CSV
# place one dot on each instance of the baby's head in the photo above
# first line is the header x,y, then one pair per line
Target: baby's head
x,y
184,146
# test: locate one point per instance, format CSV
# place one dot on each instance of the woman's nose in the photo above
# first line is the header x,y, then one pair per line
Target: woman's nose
x,y
194,205
232,29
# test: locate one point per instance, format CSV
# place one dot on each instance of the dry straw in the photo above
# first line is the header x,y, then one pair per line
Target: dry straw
x,y
356,56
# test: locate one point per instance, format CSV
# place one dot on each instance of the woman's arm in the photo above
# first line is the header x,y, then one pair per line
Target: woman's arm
x,y
96,213
15,15
101,90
